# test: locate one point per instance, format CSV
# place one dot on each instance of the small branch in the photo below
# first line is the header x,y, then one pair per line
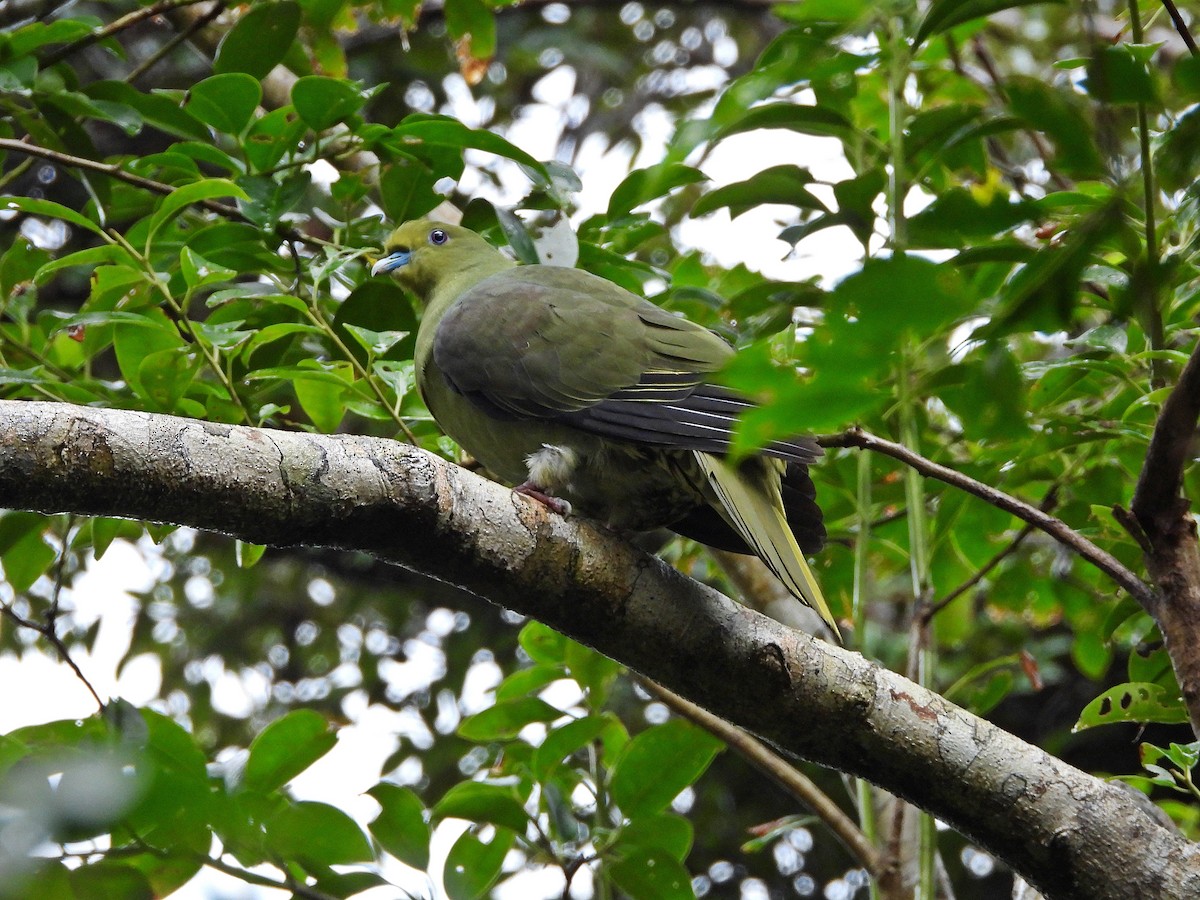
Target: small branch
x,y
1056,528
1180,25
192,27
90,165
113,28
930,610
770,763
1170,448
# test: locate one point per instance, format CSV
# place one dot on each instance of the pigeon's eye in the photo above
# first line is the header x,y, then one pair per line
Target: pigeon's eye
x,y
438,237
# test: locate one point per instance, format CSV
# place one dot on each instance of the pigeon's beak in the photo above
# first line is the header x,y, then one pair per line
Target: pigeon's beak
x,y
391,262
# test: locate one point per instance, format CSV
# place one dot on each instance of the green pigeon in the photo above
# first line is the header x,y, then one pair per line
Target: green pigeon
x,y
590,398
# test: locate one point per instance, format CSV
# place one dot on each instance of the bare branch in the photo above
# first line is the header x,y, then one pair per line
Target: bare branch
x,y
1180,25
771,764
1056,528
114,28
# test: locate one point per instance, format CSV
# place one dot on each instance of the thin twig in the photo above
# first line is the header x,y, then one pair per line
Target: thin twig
x,y
80,162
114,27
1180,25
772,764
49,629
932,609
154,58
1056,528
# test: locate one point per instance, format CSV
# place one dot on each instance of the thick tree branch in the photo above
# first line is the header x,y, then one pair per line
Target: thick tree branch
x,y
1070,834
1169,530
1027,512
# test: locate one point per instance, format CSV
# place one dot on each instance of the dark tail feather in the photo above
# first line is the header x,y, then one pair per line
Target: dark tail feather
x,y
705,525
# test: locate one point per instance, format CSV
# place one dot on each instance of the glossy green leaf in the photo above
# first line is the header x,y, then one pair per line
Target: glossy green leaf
x,y
658,764
225,102
1133,702
472,866
259,40
323,102
285,748
400,826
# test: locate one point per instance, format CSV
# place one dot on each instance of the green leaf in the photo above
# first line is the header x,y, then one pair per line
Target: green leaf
x,y
472,20
198,271
268,199
643,185
472,866
504,720
422,128
786,185
818,120
658,764
1119,75
317,835
23,549
110,880
542,643
259,40
323,102
164,376
376,343
667,832
406,189
400,827
563,741
321,393
225,102
285,748
247,555
1058,115
479,801
650,873
1133,702
178,199
945,14
524,682
52,210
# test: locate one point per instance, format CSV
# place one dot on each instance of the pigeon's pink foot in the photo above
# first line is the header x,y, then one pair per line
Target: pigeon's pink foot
x,y
529,489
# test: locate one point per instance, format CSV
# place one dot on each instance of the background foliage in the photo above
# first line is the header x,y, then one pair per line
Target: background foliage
x,y
192,197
